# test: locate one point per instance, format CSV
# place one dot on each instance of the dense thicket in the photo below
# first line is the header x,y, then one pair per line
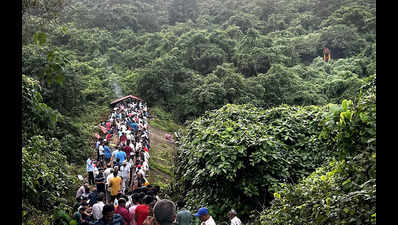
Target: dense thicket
x,y
343,191
198,55
239,155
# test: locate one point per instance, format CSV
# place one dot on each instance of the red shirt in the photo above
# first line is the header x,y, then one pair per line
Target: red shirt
x,y
141,213
124,213
123,138
108,137
108,125
127,149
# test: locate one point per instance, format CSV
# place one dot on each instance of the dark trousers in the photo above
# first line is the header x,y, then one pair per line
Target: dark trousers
x,y
91,178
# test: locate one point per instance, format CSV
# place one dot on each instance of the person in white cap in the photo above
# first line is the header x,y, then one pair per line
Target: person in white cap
x,y
125,168
234,219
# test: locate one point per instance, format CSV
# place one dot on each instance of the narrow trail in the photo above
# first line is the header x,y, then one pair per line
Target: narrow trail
x,y
162,155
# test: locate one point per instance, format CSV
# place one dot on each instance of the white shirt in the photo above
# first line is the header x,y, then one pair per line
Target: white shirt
x,y
101,149
108,178
209,221
107,172
125,170
138,146
145,165
236,221
97,210
146,156
142,172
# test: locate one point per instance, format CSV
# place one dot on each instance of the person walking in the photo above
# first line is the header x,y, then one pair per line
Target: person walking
x,y
204,216
164,212
115,185
184,216
97,207
234,219
90,171
109,217
121,210
142,211
100,181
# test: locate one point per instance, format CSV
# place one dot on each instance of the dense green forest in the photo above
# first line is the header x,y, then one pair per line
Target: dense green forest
x,y
291,134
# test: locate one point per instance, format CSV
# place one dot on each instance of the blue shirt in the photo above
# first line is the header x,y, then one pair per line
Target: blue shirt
x,y
107,152
122,156
134,126
90,166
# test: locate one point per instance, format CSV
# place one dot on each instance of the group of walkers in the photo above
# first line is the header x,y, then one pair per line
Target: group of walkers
x,y
117,191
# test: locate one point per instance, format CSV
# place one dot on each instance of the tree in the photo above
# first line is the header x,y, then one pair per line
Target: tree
x,y
182,10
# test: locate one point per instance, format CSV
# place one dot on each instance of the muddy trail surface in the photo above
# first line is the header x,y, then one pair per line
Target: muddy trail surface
x,y
161,162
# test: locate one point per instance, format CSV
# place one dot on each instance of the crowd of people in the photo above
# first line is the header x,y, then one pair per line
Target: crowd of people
x,y
117,191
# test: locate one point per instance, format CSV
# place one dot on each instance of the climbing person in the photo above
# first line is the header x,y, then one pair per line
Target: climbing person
x,y
150,219
233,217
101,152
97,207
142,211
100,181
115,185
121,210
90,171
109,217
107,153
125,168
136,201
114,156
78,216
81,190
204,216
107,187
121,155
164,212
97,145
184,216
92,197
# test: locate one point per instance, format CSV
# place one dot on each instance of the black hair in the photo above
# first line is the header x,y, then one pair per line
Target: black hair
x,y
121,201
180,203
84,204
108,208
100,196
164,212
147,199
156,189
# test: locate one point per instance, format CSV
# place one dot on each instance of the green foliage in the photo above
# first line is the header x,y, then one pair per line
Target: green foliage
x,y
237,155
162,120
37,117
334,194
45,174
189,57
353,124
343,191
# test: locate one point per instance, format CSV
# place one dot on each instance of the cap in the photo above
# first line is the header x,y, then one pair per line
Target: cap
x,y
202,211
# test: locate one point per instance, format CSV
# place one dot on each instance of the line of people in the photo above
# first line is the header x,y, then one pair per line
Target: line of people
x,y
117,191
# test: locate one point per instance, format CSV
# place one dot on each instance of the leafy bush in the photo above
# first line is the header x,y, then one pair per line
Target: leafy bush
x,y
334,194
45,175
236,156
344,191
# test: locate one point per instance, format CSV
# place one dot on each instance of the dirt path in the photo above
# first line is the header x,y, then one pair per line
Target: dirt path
x,y
162,158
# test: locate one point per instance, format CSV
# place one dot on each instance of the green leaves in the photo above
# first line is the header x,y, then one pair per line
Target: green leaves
x,y
40,38
231,144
